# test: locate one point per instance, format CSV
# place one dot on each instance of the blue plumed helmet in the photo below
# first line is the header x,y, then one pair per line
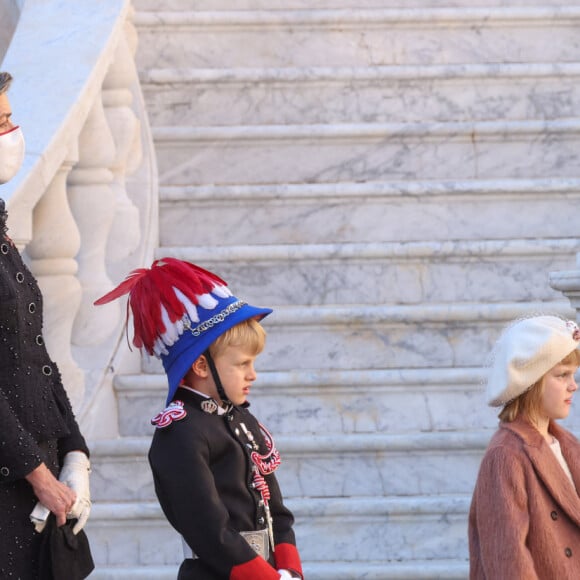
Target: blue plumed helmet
x,y
179,310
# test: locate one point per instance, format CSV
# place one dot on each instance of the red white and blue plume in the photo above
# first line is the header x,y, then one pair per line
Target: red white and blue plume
x,y
178,310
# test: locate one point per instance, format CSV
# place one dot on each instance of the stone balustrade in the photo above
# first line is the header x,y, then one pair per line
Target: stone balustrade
x,y
83,207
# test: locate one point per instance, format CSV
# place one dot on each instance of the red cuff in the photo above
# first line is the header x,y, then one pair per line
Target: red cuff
x,y
256,568
287,558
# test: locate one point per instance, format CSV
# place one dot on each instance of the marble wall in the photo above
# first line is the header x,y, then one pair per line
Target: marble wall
x,y
9,14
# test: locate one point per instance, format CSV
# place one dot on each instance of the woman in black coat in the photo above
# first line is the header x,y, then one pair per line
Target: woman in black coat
x,y
38,432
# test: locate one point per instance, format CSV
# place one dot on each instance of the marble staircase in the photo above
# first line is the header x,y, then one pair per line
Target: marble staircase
x,y
398,183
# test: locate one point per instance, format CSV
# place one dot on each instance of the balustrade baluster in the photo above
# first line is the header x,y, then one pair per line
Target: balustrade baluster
x,y
92,202
125,231
52,251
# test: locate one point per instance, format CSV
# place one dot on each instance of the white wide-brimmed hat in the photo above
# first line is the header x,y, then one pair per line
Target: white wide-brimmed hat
x,y
525,352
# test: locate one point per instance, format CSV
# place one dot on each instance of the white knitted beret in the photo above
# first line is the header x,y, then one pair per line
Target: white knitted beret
x,y
525,352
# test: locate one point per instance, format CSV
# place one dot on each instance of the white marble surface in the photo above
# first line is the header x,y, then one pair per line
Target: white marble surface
x,y
377,94
359,528
350,219
353,409
354,337
399,465
389,336
84,47
368,152
9,14
272,222
275,5
50,118
356,37
399,280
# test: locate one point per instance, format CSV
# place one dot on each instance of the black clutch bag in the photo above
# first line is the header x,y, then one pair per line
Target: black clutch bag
x,y
64,555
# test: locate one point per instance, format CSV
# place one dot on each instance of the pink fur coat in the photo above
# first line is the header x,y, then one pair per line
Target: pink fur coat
x,y
524,521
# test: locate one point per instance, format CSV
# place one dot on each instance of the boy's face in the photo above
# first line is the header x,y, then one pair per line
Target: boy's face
x,y
235,365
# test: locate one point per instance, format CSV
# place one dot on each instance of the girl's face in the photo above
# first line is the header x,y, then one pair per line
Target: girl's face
x,y
559,387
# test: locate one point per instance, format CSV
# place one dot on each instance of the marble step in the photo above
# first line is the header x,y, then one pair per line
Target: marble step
x,y
411,272
227,5
358,337
377,94
133,572
371,213
347,401
392,570
356,37
367,152
401,464
354,529
344,402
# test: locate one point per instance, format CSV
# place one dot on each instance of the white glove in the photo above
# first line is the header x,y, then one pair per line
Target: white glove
x,y
75,473
39,516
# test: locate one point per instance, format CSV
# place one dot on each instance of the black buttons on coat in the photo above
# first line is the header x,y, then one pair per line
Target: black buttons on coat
x,y
554,515
568,552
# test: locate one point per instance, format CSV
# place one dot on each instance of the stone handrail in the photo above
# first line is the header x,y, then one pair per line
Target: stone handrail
x,y
83,206
9,15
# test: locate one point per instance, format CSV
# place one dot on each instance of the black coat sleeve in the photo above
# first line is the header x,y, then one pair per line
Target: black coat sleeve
x,y
73,440
19,452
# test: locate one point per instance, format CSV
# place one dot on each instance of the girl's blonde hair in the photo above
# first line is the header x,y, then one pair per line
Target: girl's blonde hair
x,y
529,404
250,334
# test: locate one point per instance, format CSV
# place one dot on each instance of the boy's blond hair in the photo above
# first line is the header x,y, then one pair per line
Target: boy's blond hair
x,y
249,334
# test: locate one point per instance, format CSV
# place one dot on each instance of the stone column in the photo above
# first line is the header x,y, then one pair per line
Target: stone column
x,y
568,282
52,251
125,231
92,202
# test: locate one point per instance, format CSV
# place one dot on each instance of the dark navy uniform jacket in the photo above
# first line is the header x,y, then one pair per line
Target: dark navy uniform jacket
x,y
204,482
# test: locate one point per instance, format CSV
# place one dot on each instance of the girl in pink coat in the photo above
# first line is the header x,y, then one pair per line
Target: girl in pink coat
x,y
524,521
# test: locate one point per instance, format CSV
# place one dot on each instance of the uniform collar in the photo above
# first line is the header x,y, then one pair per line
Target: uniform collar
x,y
202,401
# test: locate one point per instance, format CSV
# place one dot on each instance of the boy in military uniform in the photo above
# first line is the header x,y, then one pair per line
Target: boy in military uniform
x,y
213,463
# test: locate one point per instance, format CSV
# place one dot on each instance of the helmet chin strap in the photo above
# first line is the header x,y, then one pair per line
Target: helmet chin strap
x,y
216,378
